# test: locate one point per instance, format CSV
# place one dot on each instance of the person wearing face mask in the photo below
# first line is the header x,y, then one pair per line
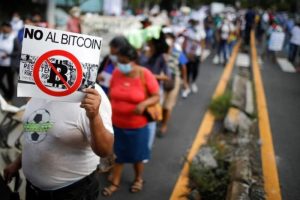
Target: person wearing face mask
x,y
193,47
153,59
133,88
109,62
9,50
176,61
226,29
73,24
16,23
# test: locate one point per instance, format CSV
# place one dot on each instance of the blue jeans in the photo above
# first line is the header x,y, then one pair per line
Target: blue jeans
x,y
223,49
152,129
230,46
292,52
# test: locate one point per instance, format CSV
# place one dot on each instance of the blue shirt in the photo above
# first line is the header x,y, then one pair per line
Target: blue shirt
x,y
183,60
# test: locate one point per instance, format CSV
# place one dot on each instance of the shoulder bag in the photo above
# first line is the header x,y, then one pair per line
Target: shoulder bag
x,y
153,112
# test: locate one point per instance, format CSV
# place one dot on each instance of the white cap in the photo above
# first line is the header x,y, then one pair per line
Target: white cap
x,y
185,9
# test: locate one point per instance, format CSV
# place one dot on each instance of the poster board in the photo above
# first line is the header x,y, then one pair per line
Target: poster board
x,y
57,65
276,41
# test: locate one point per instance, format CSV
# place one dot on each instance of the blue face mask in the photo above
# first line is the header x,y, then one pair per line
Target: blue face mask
x,y
125,68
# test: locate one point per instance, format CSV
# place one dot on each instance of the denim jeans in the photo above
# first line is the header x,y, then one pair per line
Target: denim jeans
x,y
293,52
223,49
152,129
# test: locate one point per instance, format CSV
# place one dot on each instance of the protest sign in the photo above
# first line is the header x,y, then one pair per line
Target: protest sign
x,y
276,41
57,65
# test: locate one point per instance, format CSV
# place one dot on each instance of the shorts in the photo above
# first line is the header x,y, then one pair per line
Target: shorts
x,y
170,97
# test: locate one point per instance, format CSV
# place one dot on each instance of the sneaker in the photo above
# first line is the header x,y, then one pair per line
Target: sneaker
x,y
194,88
185,93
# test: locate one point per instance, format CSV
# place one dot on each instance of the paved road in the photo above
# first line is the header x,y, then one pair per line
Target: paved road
x,y
162,172
282,91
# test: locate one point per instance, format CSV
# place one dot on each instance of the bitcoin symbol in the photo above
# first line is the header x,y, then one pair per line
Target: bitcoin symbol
x,y
54,79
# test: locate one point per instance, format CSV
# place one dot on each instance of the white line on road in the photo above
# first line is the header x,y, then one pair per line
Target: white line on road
x,y
285,65
205,54
260,62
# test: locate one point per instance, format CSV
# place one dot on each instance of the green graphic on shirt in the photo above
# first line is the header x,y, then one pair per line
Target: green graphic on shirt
x,y
40,127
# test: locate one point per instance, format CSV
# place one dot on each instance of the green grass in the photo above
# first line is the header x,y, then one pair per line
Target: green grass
x,y
220,105
211,183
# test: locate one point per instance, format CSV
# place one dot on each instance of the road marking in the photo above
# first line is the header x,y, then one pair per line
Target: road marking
x,y
205,54
271,180
204,130
243,60
285,65
260,63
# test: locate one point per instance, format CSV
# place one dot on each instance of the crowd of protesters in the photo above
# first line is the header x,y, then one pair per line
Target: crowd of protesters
x,y
135,79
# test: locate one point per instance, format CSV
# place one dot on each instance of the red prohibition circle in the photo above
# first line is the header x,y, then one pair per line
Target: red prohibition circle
x,y
44,58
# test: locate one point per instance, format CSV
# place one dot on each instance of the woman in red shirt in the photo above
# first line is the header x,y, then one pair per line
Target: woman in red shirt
x,y
130,96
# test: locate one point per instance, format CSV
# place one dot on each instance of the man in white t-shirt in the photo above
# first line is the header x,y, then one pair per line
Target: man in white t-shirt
x,y
62,142
294,42
193,47
8,53
226,28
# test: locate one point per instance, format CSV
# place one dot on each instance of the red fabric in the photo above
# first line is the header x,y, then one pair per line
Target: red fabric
x,y
73,25
125,94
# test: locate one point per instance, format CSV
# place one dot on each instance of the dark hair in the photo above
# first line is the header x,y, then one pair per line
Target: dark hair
x,y
171,35
6,24
118,42
129,52
160,44
160,47
27,17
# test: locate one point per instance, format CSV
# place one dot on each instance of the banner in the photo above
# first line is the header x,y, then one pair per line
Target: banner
x,y
57,65
276,41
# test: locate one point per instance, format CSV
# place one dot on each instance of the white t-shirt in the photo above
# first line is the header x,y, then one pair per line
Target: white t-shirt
x,y
57,151
193,40
226,29
6,47
295,39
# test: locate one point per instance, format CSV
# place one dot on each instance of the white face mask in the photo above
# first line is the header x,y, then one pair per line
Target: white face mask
x,y
169,41
76,14
15,19
146,48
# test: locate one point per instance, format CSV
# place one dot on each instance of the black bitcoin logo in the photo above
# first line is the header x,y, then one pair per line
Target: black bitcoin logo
x,y
54,79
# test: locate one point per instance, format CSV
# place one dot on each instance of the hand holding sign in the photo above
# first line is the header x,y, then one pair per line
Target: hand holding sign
x,y
91,103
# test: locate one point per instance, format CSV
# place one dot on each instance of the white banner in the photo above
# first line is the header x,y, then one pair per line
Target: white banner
x,y
57,65
276,41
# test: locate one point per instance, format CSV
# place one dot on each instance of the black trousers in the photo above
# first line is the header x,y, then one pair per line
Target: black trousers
x,y
84,189
8,73
193,69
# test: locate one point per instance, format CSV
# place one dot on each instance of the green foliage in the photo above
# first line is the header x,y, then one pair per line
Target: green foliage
x,y
220,105
211,183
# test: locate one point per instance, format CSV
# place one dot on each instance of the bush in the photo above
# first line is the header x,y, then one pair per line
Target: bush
x,y
211,183
220,105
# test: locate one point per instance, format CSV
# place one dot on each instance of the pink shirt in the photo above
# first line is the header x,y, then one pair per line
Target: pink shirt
x,y
125,94
73,25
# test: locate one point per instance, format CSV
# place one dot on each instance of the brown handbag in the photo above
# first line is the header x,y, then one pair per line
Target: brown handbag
x,y
153,112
